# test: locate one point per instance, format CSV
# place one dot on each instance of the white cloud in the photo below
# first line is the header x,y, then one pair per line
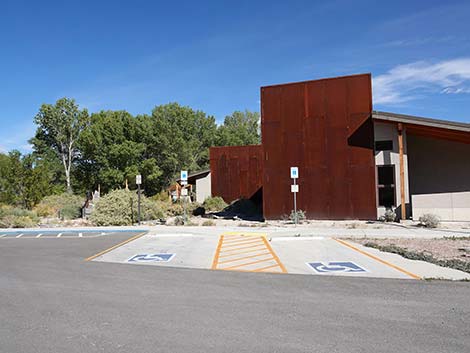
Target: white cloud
x,y
406,82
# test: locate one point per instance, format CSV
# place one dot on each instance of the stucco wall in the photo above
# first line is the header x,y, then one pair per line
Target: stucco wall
x,y
203,188
384,132
439,178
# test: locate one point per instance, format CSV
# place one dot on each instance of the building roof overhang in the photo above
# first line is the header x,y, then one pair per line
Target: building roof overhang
x,y
414,125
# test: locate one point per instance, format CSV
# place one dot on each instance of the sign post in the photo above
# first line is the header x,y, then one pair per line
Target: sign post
x,y
294,174
184,182
138,181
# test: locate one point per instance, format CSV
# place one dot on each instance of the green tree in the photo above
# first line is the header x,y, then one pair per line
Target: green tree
x,y
59,128
239,129
180,139
112,149
24,180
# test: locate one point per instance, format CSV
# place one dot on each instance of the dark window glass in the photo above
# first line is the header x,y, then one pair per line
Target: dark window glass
x,y
387,196
386,175
386,185
384,145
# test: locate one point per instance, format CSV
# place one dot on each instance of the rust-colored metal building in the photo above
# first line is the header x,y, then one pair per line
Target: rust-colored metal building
x,y
324,128
236,171
353,163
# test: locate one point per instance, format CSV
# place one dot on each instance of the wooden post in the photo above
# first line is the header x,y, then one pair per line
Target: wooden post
x,y
402,171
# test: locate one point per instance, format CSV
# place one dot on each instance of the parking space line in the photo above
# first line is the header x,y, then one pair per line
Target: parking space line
x,y
235,242
240,252
19,235
115,246
243,258
39,235
246,254
412,275
264,268
249,263
235,251
235,246
3,235
59,235
80,235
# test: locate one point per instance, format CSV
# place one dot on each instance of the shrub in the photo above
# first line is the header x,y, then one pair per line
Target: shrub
x,y
13,217
179,221
208,223
388,216
429,220
119,208
300,216
161,196
213,204
65,206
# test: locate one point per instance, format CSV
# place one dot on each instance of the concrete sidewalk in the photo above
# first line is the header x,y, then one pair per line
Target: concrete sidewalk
x,y
375,230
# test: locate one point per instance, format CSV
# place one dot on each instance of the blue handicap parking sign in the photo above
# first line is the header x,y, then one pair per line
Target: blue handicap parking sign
x,y
151,258
336,266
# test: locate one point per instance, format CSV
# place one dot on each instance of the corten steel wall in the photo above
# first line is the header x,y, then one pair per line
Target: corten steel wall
x,y
236,171
325,128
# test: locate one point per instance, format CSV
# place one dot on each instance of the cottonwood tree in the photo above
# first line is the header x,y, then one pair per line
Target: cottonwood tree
x,y
59,127
239,129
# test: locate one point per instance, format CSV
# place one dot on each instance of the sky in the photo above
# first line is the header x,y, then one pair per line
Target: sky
x,y
215,55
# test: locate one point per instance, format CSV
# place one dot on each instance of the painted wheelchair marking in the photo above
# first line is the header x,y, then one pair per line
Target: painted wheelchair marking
x,y
336,267
151,258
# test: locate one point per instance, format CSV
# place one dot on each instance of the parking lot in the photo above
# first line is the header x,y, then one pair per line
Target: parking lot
x,y
258,252
55,301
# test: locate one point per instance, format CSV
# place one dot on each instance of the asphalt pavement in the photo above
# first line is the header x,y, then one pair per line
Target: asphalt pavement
x,y
53,301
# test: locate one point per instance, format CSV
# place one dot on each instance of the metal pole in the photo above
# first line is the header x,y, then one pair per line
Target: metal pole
x,y
184,210
138,203
295,204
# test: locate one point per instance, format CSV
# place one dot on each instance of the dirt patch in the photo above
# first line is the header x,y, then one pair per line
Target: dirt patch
x,y
448,252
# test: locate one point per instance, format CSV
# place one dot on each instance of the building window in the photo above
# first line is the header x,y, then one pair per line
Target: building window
x,y
386,185
384,145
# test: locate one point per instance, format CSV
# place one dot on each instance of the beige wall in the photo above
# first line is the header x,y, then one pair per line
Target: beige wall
x,y
203,188
383,132
439,178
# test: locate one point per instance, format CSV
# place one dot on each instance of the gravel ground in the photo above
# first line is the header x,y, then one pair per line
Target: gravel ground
x,y
446,251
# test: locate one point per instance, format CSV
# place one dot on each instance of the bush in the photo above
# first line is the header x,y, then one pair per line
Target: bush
x,y
300,216
161,196
119,208
179,221
208,223
389,216
214,204
65,206
12,217
429,220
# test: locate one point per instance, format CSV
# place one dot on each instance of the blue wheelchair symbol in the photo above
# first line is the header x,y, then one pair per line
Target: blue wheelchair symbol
x,y
336,267
151,258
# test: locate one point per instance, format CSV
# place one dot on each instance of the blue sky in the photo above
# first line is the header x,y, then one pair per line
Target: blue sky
x,y
214,55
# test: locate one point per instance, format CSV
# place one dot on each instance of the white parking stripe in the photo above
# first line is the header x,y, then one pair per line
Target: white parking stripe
x,y
3,235
80,235
39,235
59,235
19,235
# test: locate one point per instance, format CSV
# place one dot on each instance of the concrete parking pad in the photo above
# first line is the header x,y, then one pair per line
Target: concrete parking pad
x,y
246,252
189,250
254,252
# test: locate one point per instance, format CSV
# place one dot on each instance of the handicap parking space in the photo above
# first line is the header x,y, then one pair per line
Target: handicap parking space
x,y
325,256
175,250
256,252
